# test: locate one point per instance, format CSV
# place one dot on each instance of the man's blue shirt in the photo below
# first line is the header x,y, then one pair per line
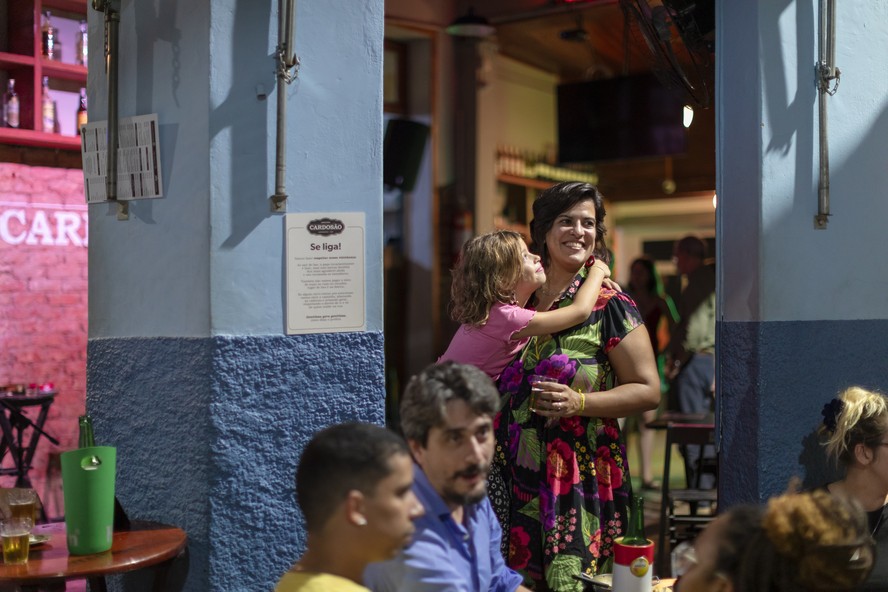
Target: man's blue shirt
x,y
445,555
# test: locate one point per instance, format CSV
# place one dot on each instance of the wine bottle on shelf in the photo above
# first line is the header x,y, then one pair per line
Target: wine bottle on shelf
x,y
48,108
50,37
11,108
81,110
82,48
635,533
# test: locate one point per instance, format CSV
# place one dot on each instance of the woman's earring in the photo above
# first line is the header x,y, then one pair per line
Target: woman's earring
x,y
361,521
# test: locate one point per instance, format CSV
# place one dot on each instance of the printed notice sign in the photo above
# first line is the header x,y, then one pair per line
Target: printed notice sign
x,y
326,292
138,159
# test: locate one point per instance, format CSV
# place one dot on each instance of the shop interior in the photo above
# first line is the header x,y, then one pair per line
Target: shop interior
x,y
511,97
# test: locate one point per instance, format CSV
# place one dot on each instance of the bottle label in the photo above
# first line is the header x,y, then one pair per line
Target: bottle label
x,y
48,116
12,112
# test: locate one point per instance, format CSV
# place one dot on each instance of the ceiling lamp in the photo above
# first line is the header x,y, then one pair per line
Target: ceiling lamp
x,y
687,116
470,25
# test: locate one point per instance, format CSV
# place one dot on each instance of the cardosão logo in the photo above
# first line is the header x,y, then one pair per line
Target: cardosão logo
x,y
325,227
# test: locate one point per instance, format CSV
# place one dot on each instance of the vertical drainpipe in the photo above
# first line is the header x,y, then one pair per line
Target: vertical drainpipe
x,y
286,60
826,72
112,47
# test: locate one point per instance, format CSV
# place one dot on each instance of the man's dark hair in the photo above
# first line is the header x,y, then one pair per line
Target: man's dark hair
x,y
340,459
692,246
425,399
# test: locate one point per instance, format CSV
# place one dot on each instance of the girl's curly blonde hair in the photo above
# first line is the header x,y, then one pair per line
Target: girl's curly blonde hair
x,y
487,272
856,416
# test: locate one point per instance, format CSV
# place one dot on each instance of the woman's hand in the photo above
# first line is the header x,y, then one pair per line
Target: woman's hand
x,y
555,400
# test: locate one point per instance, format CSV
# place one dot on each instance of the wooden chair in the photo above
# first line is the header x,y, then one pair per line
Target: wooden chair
x,y
674,525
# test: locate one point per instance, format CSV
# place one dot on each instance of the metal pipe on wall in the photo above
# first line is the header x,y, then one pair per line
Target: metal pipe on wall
x,y
826,71
112,48
286,60
112,23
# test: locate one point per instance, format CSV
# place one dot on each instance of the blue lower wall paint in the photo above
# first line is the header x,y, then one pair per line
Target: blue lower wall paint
x,y
774,379
209,432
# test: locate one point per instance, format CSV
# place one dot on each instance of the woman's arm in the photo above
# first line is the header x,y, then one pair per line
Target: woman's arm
x,y
553,321
639,385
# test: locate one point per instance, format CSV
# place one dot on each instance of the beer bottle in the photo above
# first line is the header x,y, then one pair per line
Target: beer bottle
x,y
82,44
50,37
87,438
10,106
81,110
48,108
635,533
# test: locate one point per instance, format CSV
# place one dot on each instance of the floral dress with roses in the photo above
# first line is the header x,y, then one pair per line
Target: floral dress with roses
x,y
566,486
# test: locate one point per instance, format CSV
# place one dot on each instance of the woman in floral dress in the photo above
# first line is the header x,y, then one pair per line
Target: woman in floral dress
x,y
564,463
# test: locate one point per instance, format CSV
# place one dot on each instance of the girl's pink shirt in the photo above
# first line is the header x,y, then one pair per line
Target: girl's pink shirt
x,y
491,346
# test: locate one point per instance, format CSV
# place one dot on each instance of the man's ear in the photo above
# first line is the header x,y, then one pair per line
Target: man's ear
x,y
356,508
417,450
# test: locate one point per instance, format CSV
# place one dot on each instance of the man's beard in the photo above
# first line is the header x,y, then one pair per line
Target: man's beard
x,y
469,497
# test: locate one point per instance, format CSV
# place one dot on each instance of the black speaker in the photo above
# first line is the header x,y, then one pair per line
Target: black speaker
x,y
402,150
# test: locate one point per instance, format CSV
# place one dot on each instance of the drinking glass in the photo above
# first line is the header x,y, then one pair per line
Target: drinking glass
x,y
15,534
23,504
534,391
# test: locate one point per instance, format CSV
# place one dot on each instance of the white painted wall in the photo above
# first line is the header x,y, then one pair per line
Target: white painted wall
x,y
766,219
516,107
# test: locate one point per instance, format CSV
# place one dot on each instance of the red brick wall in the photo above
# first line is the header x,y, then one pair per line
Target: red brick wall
x,y
43,302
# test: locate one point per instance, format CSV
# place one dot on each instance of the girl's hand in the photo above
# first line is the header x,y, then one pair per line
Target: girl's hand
x,y
609,283
555,400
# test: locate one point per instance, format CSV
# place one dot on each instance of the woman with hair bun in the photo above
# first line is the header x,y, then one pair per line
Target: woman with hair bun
x,y
855,435
809,542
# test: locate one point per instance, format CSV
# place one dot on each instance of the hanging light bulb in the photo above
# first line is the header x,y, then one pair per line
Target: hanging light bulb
x,y
687,116
471,25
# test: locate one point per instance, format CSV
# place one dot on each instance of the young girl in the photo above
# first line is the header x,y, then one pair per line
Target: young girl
x,y
494,278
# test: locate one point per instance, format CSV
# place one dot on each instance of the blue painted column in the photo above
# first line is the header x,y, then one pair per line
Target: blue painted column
x,y
803,312
190,372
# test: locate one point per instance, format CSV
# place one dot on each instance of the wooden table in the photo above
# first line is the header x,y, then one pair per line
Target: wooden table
x,y
145,544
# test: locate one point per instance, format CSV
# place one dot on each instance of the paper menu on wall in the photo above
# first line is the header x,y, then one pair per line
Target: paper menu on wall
x,y
138,159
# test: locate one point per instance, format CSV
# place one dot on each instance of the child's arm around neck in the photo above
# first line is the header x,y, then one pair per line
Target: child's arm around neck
x,y
553,321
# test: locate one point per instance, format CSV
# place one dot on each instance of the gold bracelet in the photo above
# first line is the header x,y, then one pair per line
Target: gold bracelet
x,y
582,401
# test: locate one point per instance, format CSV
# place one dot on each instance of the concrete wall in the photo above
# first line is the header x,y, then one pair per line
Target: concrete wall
x,y
803,311
190,374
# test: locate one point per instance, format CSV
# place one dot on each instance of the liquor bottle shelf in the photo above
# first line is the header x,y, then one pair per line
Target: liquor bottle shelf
x,y
26,137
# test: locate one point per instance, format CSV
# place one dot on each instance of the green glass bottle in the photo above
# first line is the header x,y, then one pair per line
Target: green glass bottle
x,y
635,534
87,438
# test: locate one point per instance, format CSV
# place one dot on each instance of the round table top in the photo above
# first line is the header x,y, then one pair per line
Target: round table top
x,y
143,545
37,398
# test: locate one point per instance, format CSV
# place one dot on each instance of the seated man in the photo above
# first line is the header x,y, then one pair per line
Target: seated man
x,y
354,486
447,417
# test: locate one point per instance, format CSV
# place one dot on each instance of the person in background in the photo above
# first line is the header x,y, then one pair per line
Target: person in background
x,y
447,417
855,435
799,542
495,277
564,461
691,363
659,316
354,486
